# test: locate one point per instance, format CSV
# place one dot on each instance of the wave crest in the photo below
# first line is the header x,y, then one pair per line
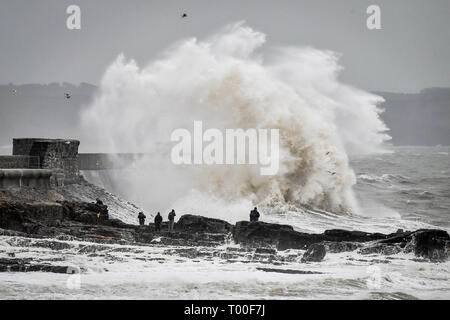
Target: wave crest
x,y
226,82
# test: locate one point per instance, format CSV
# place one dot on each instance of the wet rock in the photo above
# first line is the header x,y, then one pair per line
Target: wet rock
x,y
380,248
194,223
398,238
285,237
265,251
185,253
262,234
25,265
353,236
425,243
370,261
344,246
88,213
431,244
54,245
64,237
89,222
288,271
11,233
91,249
50,219
27,217
116,223
315,253
47,268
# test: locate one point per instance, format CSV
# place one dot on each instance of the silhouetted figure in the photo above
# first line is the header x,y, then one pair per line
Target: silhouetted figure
x,y
141,218
254,215
158,221
101,209
171,220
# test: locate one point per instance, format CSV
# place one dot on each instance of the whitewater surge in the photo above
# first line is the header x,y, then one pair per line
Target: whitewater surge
x,y
227,82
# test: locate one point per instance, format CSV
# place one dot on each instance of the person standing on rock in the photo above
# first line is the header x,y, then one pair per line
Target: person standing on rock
x,y
158,221
254,215
141,218
102,210
171,220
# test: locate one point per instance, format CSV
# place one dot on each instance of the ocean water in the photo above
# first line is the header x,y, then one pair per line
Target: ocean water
x,y
407,188
404,188
412,181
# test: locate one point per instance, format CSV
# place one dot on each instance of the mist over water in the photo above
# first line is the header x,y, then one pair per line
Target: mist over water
x,y
226,82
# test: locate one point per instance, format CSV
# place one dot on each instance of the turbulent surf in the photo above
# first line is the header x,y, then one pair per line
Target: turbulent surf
x,y
230,80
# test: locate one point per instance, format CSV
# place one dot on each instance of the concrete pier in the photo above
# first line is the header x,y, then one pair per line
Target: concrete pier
x,y
36,160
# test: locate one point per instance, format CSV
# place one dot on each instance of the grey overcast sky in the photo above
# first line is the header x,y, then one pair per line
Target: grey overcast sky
x,y
410,53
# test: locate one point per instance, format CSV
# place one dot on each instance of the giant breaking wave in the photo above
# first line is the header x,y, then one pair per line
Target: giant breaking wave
x,y
227,82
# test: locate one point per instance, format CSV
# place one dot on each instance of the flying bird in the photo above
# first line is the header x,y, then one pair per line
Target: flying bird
x,y
13,91
184,15
68,96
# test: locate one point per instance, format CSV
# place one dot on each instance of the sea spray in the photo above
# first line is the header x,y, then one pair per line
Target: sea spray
x,y
226,82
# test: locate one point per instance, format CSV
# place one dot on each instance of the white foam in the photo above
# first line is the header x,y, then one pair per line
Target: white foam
x,y
225,82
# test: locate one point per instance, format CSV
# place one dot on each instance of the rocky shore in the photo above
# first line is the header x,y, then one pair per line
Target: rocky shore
x,y
55,225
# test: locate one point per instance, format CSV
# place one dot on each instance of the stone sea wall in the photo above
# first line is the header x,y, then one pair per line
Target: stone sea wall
x,y
17,178
58,155
19,162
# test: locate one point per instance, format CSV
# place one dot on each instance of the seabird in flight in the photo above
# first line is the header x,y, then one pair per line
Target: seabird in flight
x,y
184,15
68,96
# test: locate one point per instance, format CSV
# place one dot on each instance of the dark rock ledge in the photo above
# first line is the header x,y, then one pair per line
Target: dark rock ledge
x,y
87,221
